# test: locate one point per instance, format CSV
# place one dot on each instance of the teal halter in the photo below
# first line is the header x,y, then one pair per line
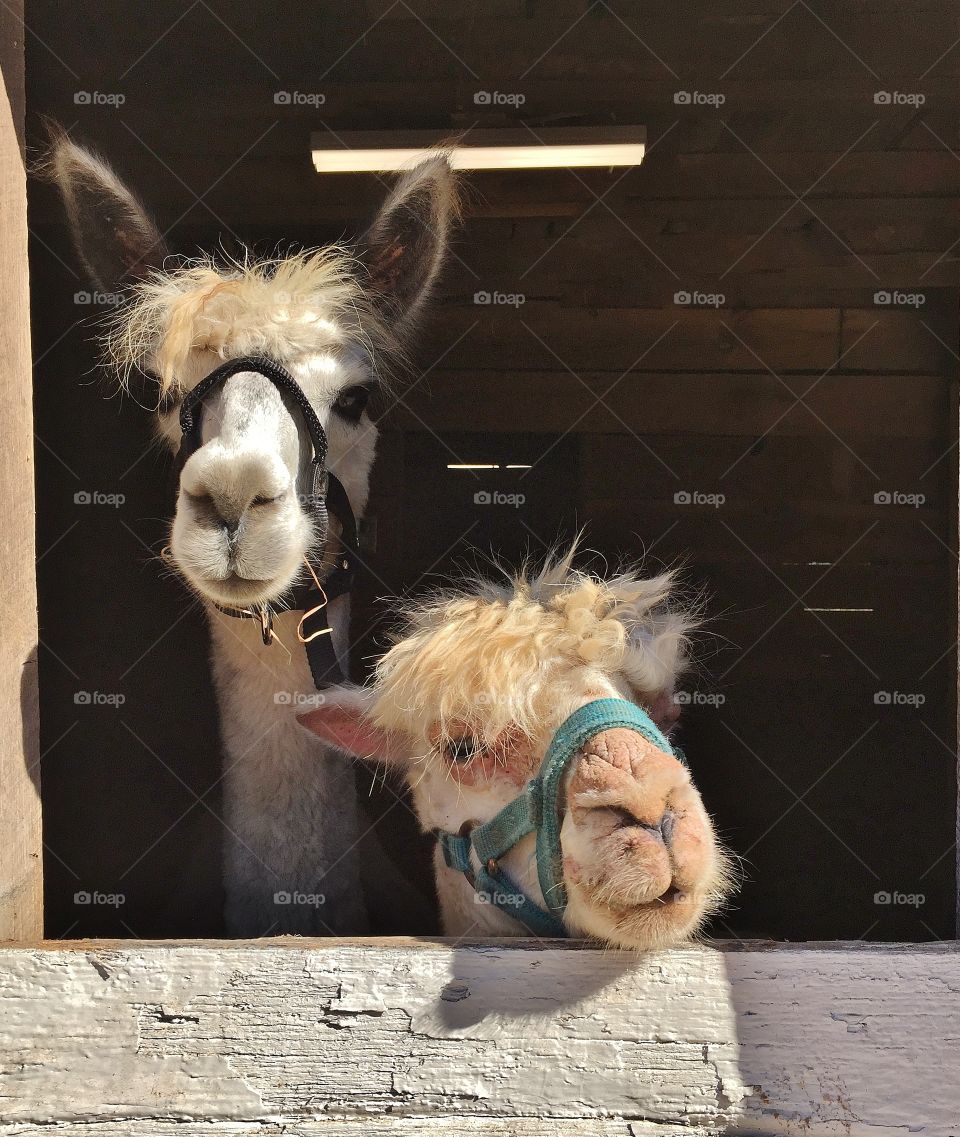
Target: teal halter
x,y
537,809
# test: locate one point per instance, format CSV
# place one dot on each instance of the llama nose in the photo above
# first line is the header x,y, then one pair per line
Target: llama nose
x,y
663,829
223,488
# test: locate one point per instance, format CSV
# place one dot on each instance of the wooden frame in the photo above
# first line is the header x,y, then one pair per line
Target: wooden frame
x,y
21,891
413,1037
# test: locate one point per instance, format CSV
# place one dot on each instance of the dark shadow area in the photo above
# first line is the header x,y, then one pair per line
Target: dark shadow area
x,y
790,442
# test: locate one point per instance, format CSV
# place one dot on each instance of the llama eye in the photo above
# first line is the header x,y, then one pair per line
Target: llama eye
x,y
168,403
462,749
352,402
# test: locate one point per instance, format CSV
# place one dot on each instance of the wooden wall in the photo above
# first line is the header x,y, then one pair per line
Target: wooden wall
x,y
799,398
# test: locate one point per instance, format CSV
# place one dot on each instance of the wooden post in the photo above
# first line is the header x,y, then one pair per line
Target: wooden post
x,y
954,541
21,887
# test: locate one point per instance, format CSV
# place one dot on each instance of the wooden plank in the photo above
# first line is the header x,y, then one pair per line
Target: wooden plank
x,y
342,40
720,13
276,180
704,537
842,472
399,1033
250,119
783,120
551,267
777,531
846,285
533,256
539,335
874,225
21,893
894,338
375,1127
740,404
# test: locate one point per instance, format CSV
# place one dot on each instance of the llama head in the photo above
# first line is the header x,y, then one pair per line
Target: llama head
x,y
468,700
332,317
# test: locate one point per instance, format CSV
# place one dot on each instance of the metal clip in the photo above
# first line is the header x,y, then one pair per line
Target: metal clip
x,y
265,616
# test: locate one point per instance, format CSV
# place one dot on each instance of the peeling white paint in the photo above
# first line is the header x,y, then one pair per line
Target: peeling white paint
x,y
404,1038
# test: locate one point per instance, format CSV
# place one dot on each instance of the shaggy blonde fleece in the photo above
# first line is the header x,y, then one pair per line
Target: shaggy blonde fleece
x,y
493,660
312,301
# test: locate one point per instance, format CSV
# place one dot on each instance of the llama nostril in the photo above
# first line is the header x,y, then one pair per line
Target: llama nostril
x,y
210,513
626,820
663,829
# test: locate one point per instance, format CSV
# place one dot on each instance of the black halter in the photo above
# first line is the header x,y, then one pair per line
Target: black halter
x,y
327,496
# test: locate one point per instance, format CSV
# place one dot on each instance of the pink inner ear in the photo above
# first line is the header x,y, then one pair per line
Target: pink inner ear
x,y
348,729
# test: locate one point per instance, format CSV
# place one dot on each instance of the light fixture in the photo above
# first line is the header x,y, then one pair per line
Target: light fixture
x,y
838,609
381,151
486,466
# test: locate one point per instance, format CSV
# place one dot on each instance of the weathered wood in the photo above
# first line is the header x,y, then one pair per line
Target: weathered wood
x,y
388,1037
264,187
462,44
371,1127
21,913
732,404
880,338
953,534
850,285
538,334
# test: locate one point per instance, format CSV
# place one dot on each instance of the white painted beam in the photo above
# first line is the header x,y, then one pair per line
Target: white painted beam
x,y
395,1038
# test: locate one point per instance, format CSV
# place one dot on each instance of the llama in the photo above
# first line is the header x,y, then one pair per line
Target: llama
x,y
242,535
466,703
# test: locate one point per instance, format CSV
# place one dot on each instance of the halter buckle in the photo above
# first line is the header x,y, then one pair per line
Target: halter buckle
x,y
265,615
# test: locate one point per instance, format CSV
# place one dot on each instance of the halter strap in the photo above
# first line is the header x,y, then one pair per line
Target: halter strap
x,y
326,495
536,809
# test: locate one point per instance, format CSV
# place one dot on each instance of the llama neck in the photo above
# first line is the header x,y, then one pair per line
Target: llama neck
x,y
461,911
289,801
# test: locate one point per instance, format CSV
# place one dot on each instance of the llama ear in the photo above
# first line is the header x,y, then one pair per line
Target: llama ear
x,y
114,236
405,247
344,720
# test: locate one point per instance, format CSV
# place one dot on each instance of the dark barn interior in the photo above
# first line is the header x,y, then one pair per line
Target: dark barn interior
x,y
740,357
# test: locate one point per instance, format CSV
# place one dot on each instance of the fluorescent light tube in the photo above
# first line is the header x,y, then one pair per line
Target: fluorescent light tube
x,y
488,149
